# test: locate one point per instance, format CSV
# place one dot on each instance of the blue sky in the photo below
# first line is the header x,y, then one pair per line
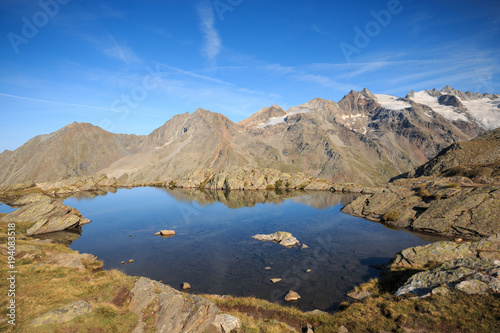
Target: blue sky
x,y
129,66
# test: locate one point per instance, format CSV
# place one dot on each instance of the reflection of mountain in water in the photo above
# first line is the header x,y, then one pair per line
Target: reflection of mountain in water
x,y
321,200
238,199
83,195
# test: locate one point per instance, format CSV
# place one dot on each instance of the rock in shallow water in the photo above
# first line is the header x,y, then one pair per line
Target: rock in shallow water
x,y
281,237
292,296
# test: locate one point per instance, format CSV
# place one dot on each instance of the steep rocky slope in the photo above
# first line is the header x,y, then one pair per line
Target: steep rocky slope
x,y
476,158
457,193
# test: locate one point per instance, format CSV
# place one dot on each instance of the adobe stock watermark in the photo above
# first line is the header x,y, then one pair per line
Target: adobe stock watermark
x,y
30,26
363,37
223,6
130,101
11,273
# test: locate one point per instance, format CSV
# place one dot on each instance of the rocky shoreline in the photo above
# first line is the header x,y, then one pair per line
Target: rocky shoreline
x,y
447,206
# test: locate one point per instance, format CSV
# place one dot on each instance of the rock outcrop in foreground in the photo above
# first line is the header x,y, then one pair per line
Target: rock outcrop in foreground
x,y
470,267
172,310
470,275
427,256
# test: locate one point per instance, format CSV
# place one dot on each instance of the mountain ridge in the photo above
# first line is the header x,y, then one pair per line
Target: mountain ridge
x,y
365,137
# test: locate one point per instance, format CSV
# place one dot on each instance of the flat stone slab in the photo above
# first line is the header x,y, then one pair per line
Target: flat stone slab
x,y
63,314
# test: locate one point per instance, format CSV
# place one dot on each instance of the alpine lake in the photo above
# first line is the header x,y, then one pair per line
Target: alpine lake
x,y
213,249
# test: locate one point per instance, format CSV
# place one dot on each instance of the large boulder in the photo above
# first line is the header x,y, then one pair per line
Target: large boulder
x,y
172,310
430,255
47,216
470,275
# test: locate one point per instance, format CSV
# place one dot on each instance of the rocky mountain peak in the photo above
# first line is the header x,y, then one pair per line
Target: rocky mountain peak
x,y
450,100
410,95
262,116
368,94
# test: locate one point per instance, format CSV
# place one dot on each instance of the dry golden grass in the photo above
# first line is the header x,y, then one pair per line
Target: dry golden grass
x,y
41,287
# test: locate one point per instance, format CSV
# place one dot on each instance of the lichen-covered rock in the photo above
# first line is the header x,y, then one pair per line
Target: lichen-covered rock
x,y
426,256
47,216
464,212
63,314
455,273
472,287
473,213
224,323
173,311
30,198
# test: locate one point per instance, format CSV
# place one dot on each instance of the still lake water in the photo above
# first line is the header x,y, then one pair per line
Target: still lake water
x,y
214,251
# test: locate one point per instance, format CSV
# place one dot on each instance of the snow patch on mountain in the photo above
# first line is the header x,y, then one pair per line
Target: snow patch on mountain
x,y
484,111
278,120
423,97
391,102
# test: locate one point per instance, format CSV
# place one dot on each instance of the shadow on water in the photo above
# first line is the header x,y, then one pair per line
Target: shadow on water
x,y
213,248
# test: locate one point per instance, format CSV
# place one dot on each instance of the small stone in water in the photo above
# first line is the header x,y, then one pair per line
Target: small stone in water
x,y
131,261
267,267
291,296
274,280
186,286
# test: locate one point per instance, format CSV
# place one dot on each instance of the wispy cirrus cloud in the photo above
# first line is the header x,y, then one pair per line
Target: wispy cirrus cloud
x,y
121,52
212,41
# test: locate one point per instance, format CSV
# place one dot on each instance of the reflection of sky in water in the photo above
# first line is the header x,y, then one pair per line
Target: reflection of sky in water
x,y
5,209
214,251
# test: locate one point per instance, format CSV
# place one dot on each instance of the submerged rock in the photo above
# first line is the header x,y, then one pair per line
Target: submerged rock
x,y
359,295
281,237
47,216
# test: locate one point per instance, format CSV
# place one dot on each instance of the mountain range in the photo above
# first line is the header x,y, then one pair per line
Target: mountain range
x,y
365,138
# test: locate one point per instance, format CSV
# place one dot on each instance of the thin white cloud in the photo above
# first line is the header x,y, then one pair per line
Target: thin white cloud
x,y
70,104
60,103
198,76
212,41
317,29
121,52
